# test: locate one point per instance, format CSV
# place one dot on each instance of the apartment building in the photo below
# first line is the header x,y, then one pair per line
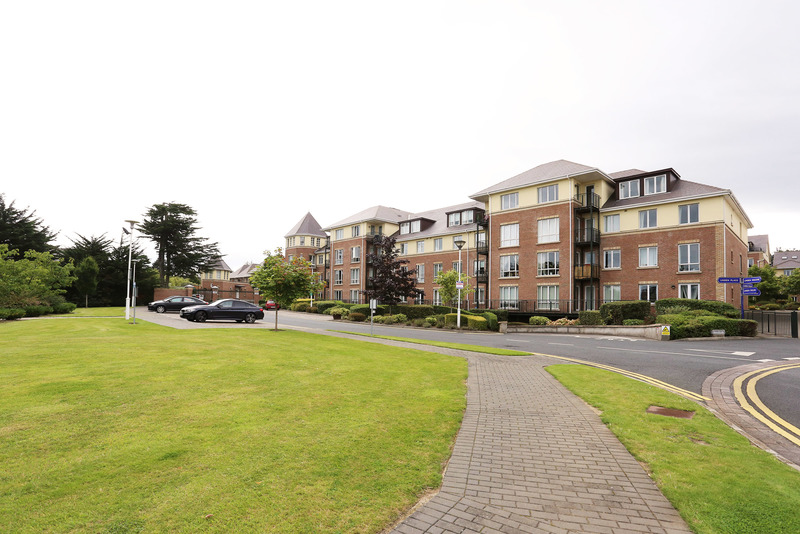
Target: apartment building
x,y
758,251
786,262
562,237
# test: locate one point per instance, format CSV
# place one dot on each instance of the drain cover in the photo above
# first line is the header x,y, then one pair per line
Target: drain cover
x,y
670,412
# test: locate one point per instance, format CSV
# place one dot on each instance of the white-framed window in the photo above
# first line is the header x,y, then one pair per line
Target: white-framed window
x,y
547,298
457,267
437,244
415,226
648,292
405,228
456,238
509,266
750,262
467,216
403,249
648,256
302,241
655,184
355,276
454,219
320,259
689,213
648,218
629,189
355,254
788,272
420,273
355,231
689,257
354,295
612,259
509,235
689,291
480,295
339,233
509,297
338,256
437,299
547,193
612,293
437,269
338,277
479,267
480,239
547,230
509,201
611,223
337,294
547,263
420,247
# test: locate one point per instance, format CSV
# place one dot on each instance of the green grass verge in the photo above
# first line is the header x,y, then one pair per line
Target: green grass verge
x,y
713,476
114,311
109,427
444,344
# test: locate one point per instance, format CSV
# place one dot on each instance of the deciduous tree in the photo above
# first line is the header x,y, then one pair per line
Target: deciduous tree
x,y
86,278
389,280
447,286
37,278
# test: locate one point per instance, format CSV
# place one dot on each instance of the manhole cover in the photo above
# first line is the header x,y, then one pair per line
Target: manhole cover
x,y
670,412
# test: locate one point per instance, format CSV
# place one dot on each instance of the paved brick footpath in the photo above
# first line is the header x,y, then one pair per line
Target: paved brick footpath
x,y
532,457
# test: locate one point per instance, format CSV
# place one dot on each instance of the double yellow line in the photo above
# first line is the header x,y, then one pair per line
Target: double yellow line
x,y
643,378
760,411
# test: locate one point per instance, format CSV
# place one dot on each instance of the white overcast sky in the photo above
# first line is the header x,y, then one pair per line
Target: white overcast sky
x,y
255,113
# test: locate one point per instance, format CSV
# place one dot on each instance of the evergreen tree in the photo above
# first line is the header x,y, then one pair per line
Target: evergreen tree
x,y
22,230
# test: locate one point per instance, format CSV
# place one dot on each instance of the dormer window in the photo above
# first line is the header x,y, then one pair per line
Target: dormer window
x,y
629,189
405,228
655,184
454,219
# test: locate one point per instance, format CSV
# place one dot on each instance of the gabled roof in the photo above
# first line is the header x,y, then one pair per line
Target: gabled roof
x,y
375,213
543,173
244,271
220,265
624,174
760,242
308,225
439,218
786,259
680,189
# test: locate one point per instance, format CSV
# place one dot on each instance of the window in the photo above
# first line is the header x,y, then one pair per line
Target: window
x,y
437,269
480,295
648,218
403,249
355,231
611,223
655,184
405,228
437,299
788,272
338,256
509,266
509,297
355,254
479,267
354,295
377,230
611,259
437,244
509,201
467,217
480,239
611,293
548,193
457,238
337,277
690,213
648,256
547,263
420,273
547,297
509,235
689,257
629,189
648,292
689,291
750,262
320,259
414,226
340,233
355,276
420,247
302,241
548,230
454,219
337,294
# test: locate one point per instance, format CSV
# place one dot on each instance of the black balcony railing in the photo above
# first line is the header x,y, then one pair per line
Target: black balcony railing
x,y
482,247
587,272
591,201
482,277
545,306
482,219
587,236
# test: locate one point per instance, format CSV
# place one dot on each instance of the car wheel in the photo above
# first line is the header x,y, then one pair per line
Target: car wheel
x,y
200,317
160,309
250,318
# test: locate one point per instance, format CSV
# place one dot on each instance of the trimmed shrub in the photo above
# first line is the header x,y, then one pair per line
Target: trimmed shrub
x,y
11,314
686,325
418,322
439,320
564,322
538,320
64,307
770,306
475,322
414,311
324,305
430,321
491,320
312,309
450,318
299,306
400,318
721,308
632,322
502,315
616,312
590,318
338,310
442,310
36,311
357,317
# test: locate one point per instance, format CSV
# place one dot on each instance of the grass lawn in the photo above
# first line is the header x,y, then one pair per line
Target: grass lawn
x,y
110,427
112,311
713,476
444,344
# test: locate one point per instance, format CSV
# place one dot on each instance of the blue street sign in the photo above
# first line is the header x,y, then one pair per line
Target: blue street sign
x,y
747,286
751,292
729,280
752,280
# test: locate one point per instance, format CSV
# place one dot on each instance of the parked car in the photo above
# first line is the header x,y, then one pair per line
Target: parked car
x,y
238,310
174,304
272,305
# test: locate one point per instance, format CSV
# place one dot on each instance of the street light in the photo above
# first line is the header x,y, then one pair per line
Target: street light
x,y
459,243
128,287
135,292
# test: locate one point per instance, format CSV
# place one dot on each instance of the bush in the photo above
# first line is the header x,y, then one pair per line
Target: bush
x,y
357,317
312,309
299,306
11,314
400,318
338,310
415,311
714,306
378,319
672,310
64,307
324,305
792,306
685,325
564,322
770,306
491,320
538,320
590,318
36,311
617,312
450,319
475,322
418,322
430,321
442,310
632,322
502,315
439,320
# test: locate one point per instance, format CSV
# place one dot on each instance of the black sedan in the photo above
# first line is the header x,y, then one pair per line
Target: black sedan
x,y
238,310
174,304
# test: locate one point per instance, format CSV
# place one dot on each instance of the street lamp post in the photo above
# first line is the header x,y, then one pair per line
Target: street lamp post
x,y
134,290
128,286
459,243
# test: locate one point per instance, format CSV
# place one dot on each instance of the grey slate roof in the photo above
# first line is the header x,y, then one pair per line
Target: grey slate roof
x,y
543,173
439,226
244,271
308,225
220,265
786,259
624,174
760,242
375,213
681,189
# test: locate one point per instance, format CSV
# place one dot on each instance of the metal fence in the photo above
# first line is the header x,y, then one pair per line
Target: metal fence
x,y
775,323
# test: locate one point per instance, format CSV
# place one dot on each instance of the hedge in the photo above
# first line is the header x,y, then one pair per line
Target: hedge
x,y
684,325
36,311
355,316
64,307
10,314
715,306
475,322
538,320
502,315
323,305
617,312
414,311
590,318
491,320
382,309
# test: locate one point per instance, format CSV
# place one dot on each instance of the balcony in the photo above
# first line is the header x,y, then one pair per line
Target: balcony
x,y
482,277
482,247
587,272
587,202
482,220
587,236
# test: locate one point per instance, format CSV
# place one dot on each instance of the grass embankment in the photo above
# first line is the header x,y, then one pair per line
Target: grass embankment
x,y
713,476
109,427
444,344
